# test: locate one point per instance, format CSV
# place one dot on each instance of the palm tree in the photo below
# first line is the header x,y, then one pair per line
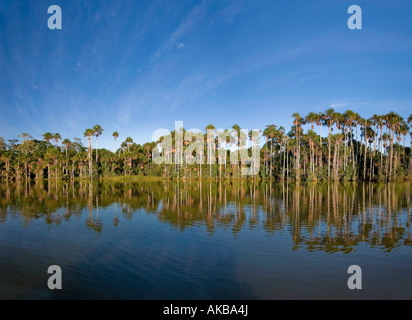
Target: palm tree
x,y
56,138
385,139
410,151
358,121
266,134
66,143
210,137
315,118
123,146
255,139
285,141
404,130
393,122
269,133
379,126
280,137
115,135
89,133
369,136
47,137
290,145
310,139
236,127
128,141
349,119
98,130
148,147
228,140
337,138
329,119
298,121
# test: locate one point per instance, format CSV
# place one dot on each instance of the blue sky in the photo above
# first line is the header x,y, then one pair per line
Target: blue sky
x,y
136,66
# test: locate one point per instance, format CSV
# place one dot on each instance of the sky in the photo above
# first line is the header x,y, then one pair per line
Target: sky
x,y
136,66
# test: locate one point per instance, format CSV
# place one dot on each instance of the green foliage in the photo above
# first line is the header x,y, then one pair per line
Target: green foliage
x,y
354,149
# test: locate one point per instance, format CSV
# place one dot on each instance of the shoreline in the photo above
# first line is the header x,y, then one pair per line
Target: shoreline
x,y
138,178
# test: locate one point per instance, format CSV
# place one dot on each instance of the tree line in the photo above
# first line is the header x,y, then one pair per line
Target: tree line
x,y
354,148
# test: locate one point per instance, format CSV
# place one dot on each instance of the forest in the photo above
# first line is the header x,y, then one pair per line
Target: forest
x,y
352,149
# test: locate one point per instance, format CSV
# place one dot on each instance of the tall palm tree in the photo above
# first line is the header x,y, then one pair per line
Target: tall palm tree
x,y
315,118
404,130
312,118
267,136
358,121
236,127
393,122
47,137
128,141
56,138
209,138
66,143
270,133
252,138
285,152
298,121
228,141
309,138
98,130
337,139
410,151
280,136
89,134
349,120
379,127
115,135
329,119
369,135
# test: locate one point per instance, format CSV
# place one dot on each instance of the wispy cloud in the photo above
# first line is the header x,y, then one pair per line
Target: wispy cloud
x,y
128,64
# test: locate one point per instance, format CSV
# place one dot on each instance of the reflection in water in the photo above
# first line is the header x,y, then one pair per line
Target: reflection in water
x,y
328,217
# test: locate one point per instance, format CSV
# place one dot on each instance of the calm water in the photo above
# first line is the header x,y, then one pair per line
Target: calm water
x,y
208,240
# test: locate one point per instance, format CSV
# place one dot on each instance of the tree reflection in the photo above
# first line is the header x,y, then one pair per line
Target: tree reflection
x,y
328,217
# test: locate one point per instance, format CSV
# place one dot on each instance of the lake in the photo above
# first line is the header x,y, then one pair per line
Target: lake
x,y
205,240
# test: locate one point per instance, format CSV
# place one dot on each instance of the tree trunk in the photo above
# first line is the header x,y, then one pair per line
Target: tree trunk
x,y
364,162
96,149
271,157
284,160
329,147
391,154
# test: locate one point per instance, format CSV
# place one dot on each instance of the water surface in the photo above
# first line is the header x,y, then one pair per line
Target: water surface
x,y
204,240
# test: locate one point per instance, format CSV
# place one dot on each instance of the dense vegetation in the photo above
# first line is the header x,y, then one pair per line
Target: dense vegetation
x,y
355,148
